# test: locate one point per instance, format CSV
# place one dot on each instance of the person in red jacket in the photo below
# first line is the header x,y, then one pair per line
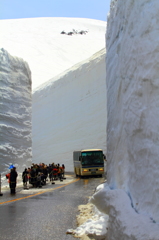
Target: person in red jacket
x,y
8,177
55,173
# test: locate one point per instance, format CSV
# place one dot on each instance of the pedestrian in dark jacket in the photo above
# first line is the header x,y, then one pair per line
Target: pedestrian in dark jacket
x,y
33,177
13,180
25,177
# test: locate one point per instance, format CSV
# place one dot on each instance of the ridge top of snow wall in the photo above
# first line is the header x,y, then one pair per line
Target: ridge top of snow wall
x,y
39,41
15,113
69,113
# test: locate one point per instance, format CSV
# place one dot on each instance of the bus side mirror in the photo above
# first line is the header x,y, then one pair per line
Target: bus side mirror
x,y
104,157
80,158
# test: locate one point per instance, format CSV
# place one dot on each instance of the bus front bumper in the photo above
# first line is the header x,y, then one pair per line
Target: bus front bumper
x,y
92,171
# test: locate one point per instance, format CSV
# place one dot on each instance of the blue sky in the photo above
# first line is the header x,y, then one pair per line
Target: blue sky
x,y
94,9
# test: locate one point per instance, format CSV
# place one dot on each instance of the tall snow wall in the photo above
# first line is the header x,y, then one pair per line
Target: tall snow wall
x,y
15,112
132,75
69,113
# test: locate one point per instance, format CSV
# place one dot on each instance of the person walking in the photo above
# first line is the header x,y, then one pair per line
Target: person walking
x,y
63,171
13,180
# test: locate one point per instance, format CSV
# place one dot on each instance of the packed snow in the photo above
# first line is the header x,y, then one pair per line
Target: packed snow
x,y
15,115
48,52
130,197
123,221
92,224
69,113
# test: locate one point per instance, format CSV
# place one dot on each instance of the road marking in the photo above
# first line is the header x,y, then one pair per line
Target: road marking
x,y
35,194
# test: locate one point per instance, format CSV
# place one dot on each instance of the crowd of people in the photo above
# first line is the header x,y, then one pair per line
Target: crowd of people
x,y
37,175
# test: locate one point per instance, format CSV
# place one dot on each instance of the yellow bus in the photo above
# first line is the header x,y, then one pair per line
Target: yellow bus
x,y
88,162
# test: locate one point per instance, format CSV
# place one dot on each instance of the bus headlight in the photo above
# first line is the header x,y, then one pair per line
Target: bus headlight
x,y
85,170
101,169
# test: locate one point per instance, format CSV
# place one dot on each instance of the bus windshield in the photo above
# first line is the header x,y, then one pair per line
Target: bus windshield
x,y
92,158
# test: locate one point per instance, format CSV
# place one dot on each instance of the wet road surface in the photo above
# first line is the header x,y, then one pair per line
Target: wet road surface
x,y
45,216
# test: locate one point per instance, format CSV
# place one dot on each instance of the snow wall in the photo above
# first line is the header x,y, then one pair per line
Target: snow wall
x,y
132,75
15,113
69,113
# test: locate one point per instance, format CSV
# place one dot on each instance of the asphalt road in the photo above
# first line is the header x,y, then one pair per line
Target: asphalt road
x,y
45,213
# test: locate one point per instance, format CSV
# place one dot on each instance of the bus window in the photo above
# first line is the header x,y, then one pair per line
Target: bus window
x,y
92,158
